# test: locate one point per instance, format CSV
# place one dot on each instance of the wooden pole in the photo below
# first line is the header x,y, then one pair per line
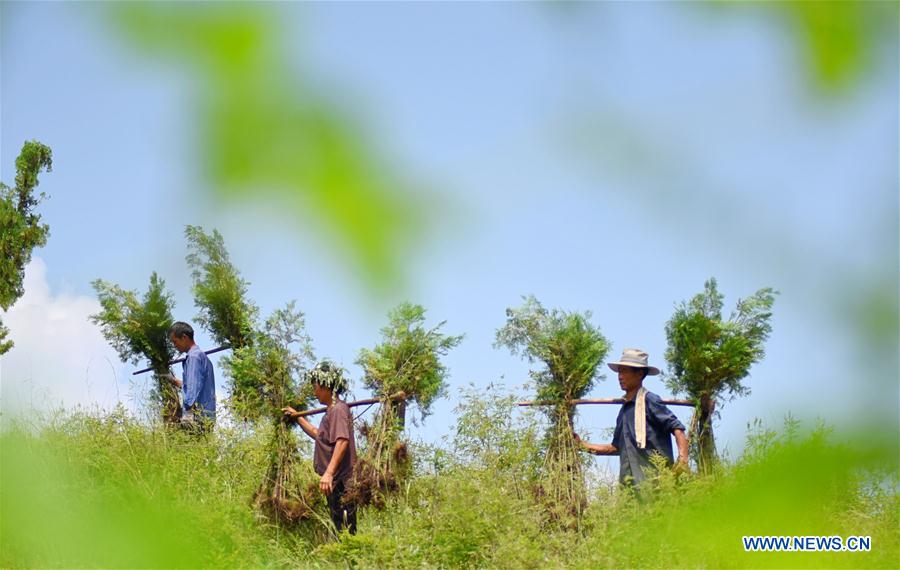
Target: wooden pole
x,y
182,359
366,402
604,401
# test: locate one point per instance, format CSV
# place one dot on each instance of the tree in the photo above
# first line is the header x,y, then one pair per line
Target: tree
x,y
21,229
139,329
709,357
408,360
571,351
267,363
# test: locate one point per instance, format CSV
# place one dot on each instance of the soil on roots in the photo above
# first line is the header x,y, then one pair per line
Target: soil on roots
x,y
383,464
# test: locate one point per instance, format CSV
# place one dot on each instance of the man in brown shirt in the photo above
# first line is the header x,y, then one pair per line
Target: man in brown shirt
x,y
334,454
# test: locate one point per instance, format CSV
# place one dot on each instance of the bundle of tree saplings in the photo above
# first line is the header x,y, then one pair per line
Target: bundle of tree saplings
x,y
709,357
405,367
138,329
570,350
265,371
275,364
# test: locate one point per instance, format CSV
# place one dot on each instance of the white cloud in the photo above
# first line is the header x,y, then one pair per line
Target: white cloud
x,y
59,358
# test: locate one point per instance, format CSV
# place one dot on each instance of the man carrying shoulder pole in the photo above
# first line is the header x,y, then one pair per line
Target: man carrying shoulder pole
x,y
334,454
644,426
198,382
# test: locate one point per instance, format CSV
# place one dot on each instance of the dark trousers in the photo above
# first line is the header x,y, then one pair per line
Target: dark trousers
x,y
343,516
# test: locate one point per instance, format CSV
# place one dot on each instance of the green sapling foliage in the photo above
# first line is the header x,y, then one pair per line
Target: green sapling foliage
x,y
138,329
408,360
570,350
709,357
220,292
268,373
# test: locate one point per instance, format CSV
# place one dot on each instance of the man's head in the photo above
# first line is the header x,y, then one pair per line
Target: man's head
x,y
631,377
632,368
327,381
182,336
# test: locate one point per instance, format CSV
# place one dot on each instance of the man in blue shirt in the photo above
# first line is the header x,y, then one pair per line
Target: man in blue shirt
x,y
199,382
644,426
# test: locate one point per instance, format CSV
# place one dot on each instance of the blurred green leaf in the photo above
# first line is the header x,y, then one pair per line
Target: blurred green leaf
x,y
267,135
839,41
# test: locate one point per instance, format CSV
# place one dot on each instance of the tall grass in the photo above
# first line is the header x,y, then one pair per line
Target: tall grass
x,y
103,490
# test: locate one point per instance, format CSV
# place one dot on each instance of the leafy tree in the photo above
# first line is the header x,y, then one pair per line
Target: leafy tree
x,y
219,290
21,229
571,351
709,357
407,360
138,329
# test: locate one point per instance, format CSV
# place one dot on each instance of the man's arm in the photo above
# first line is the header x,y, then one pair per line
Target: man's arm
x,y
596,448
665,419
175,381
326,483
192,381
293,415
681,441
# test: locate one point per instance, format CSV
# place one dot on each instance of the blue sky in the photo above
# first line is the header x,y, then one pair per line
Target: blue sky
x,y
609,158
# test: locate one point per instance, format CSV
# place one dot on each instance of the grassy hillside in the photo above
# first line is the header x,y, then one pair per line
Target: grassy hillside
x,y
104,490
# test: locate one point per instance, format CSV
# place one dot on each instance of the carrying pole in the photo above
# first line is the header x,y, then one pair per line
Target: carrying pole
x,y
604,401
182,359
366,402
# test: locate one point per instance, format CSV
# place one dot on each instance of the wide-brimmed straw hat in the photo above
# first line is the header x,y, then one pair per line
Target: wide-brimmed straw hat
x,y
634,358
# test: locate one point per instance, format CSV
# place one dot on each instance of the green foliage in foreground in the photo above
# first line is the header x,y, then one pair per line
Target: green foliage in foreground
x,y
104,491
21,229
268,134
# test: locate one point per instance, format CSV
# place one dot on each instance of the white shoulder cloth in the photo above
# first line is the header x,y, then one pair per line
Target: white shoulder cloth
x,y
640,418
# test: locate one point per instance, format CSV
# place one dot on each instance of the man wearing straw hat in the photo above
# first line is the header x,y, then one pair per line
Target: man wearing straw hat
x,y
644,426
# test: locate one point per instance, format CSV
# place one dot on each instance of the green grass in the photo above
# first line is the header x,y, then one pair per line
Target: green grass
x,y
104,490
